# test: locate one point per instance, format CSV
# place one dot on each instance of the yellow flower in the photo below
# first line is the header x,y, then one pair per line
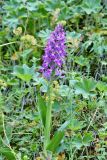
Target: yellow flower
x,y
29,39
52,98
17,31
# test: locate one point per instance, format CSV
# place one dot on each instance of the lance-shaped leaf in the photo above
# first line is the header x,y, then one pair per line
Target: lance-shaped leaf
x,y
42,109
55,141
7,153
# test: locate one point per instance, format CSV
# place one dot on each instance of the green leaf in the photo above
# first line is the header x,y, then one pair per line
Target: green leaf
x,y
9,130
26,53
55,141
44,35
42,109
77,141
73,35
90,6
76,125
104,78
102,86
86,87
1,122
87,139
64,90
11,22
52,5
7,153
23,72
59,134
82,61
31,6
64,125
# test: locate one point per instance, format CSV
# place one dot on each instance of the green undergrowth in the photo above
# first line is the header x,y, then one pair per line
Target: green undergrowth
x,y
79,99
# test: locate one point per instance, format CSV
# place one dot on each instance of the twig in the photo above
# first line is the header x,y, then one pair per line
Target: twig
x,y
20,133
5,44
8,145
92,118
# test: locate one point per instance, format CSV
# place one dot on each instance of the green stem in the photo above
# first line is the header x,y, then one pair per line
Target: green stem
x,y
48,120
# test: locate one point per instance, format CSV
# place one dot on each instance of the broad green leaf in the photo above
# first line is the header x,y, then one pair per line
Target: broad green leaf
x,y
98,43
77,141
76,125
44,35
56,106
42,109
64,90
82,61
11,22
52,5
86,87
73,35
102,86
90,6
31,6
87,139
23,72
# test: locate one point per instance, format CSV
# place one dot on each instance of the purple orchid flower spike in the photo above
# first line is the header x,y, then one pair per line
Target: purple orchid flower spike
x,y
55,52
